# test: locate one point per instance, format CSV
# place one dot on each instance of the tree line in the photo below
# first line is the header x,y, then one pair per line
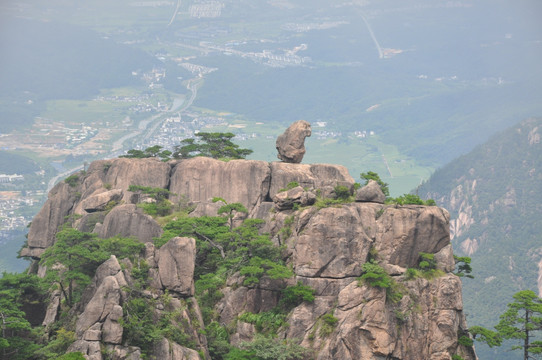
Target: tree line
x,y
215,145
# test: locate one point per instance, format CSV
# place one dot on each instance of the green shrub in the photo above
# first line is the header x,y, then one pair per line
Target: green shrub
x,y
72,180
208,294
395,292
374,275
293,296
269,348
411,273
410,199
267,322
215,145
290,186
138,324
463,266
428,266
110,205
427,261
160,208
342,192
257,267
465,341
324,203
57,345
140,273
239,354
218,341
72,356
328,322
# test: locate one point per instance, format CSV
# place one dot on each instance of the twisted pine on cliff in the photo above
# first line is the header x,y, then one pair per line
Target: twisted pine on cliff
x,y
522,321
215,145
153,151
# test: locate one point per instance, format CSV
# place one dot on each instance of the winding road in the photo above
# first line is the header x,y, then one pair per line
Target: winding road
x,y
380,52
175,13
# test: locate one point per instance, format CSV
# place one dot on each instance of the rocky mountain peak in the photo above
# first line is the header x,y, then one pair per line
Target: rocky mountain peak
x,y
328,244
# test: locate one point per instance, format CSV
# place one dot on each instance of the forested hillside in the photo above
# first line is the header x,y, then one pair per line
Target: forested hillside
x,y
494,195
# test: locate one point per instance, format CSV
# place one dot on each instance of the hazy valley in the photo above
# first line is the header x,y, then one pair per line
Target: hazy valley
x,y
402,88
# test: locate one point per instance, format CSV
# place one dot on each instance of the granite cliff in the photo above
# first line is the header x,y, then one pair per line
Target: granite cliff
x,y
324,244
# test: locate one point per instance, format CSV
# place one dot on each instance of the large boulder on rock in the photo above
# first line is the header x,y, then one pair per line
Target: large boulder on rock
x,y
128,220
291,143
370,193
176,261
99,201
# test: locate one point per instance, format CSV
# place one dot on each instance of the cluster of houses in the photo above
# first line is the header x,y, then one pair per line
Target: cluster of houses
x,y
9,217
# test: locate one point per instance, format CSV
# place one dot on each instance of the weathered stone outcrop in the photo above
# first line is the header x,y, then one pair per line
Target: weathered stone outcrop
x,y
52,215
121,173
99,321
176,261
370,193
370,326
334,243
291,143
285,200
105,298
403,233
243,181
129,220
99,201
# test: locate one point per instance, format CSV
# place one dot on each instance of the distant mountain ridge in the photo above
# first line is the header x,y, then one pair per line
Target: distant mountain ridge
x,y
494,195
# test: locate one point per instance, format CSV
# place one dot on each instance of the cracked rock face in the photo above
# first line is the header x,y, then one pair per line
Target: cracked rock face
x,y
328,247
291,143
